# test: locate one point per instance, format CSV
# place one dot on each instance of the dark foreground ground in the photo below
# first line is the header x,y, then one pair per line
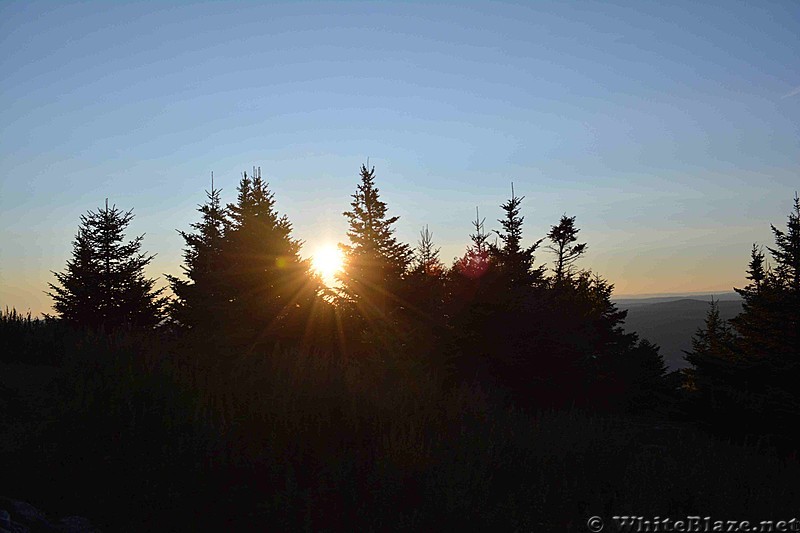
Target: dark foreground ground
x,y
294,449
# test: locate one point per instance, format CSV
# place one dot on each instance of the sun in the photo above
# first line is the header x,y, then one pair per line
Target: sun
x,y
327,261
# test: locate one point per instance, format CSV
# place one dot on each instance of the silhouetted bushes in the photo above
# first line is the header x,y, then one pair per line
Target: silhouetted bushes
x,y
142,434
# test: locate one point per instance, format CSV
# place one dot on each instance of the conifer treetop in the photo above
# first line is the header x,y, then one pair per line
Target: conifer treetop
x,y
104,284
370,230
513,259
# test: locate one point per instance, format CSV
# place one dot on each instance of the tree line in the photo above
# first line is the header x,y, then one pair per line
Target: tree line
x,y
745,372
545,337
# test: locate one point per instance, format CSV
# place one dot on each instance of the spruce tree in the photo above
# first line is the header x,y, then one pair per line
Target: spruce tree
x,y
753,384
786,287
201,299
494,305
426,278
424,294
514,261
769,325
267,284
563,237
642,375
426,256
586,355
77,298
714,339
470,347
375,261
755,319
476,261
787,252
104,285
714,360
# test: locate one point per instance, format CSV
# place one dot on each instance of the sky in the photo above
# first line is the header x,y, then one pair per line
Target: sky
x,y
671,132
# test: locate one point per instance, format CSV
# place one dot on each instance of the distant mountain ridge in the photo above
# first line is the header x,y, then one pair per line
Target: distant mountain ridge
x,y
632,301
670,322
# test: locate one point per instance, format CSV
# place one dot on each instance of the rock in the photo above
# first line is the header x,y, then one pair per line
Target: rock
x,y
9,526
21,517
28,515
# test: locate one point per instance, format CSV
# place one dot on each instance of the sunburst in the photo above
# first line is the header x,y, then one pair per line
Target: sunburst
x,y
328,261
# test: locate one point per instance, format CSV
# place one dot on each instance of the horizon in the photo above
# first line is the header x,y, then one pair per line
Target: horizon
x,y
672,295
670,132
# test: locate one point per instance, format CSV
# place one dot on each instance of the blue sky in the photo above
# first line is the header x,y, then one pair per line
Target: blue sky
x,y
672,132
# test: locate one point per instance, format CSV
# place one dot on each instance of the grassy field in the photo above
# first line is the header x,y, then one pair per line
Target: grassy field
x,y
137,434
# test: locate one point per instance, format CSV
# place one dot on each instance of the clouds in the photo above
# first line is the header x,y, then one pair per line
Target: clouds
x,y
793,92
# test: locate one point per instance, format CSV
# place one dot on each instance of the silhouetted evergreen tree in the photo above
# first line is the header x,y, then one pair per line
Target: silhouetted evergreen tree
x,y
476,260
514,261
375,261
586,355
104,285
496,305
768,329
756,324
426,277
715,364
715,339
642,377
426,256
747,381
563,237
469,353
546,344
769,325
268,286
787,252
425,295
77,298
201,299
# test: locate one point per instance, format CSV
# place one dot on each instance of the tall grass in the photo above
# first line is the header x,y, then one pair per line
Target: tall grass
x,y
148,432
31,340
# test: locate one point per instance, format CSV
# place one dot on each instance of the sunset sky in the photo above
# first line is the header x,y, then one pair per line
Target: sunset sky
x,y
672,133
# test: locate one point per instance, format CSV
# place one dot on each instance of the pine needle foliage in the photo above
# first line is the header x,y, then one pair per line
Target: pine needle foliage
x,y
376,261
104,284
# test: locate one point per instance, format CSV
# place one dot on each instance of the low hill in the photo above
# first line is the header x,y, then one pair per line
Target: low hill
x,y
671,323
